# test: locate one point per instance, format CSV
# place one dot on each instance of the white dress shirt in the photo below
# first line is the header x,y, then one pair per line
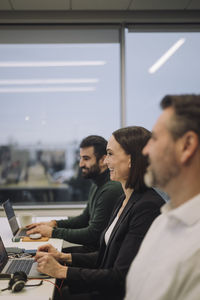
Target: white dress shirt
x,y
167,266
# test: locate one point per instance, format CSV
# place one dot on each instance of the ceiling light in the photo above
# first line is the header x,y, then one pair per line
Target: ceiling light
x,y
166,56
47,89
47,81
24,64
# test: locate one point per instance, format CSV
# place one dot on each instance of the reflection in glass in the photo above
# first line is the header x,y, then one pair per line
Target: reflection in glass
x,y
146,86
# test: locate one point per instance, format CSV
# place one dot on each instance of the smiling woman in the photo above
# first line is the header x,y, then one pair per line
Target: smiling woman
x,y
101,275
54,82
118,161
132,140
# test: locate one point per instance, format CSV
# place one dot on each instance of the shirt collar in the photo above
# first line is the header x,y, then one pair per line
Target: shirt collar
x,y
187,213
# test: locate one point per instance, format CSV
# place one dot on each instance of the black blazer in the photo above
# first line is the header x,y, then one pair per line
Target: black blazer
x,y
102,274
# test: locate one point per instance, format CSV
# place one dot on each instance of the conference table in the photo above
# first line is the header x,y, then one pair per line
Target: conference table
x,y
43,292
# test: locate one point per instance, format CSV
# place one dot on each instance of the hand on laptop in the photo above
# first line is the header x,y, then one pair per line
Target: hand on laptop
x,y
47,264
44,230
59,256
51,223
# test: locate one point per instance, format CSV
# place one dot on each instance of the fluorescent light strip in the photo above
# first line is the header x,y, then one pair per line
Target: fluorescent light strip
x,y
48,89
24,64
47,81
166,56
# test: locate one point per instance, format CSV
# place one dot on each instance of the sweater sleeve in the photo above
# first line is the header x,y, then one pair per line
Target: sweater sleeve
x,y
87,228
75,222
67,229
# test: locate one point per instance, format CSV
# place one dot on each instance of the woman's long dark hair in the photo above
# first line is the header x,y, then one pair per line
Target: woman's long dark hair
x,y
133,139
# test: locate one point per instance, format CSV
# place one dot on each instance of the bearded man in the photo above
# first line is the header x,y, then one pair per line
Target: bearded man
x,y
86,228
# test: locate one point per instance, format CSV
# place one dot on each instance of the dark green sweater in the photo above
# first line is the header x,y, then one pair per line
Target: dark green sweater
x,y
86,228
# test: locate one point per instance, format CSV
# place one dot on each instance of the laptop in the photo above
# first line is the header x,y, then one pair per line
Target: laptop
x,y
10,266
12,220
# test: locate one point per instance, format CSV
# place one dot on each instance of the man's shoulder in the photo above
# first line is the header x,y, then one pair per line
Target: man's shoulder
x,y
112,186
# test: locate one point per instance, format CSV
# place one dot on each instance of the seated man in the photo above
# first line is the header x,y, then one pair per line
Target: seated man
x,y
167,266
86,228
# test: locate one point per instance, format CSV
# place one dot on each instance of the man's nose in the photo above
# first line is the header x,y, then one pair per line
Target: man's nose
x,y
145,149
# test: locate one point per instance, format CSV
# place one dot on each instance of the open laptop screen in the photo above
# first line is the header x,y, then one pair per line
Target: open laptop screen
x,y
11,216
3,255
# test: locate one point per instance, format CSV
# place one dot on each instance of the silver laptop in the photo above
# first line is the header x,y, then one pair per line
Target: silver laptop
x,y
10,266
12,220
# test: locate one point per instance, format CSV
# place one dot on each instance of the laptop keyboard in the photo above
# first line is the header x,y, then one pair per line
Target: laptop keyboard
x,y
20,265
22,232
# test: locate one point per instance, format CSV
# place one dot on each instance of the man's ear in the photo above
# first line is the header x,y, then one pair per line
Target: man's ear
x,y
189,146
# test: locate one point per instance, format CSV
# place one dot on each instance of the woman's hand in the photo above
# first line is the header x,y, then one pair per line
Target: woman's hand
x,y
48,265
59,256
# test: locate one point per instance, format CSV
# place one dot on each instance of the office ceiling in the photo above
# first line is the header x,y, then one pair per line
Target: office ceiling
x,y
99,11
98,5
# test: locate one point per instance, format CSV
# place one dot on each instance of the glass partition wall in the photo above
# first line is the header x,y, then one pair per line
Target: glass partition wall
x,y
158,63
57,86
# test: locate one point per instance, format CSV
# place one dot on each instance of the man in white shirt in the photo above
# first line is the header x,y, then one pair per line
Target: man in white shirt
x,y
167,266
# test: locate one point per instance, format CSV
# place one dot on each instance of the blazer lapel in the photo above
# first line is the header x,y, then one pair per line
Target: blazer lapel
x,y
133,199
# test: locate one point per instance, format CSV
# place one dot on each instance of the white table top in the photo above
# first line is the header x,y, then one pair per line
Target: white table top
x,y
43,292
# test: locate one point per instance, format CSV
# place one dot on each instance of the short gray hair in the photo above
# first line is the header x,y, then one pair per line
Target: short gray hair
x,y
187,113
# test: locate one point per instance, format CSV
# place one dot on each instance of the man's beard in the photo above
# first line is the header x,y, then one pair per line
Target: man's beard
x,y
149,178
162,179
92,172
